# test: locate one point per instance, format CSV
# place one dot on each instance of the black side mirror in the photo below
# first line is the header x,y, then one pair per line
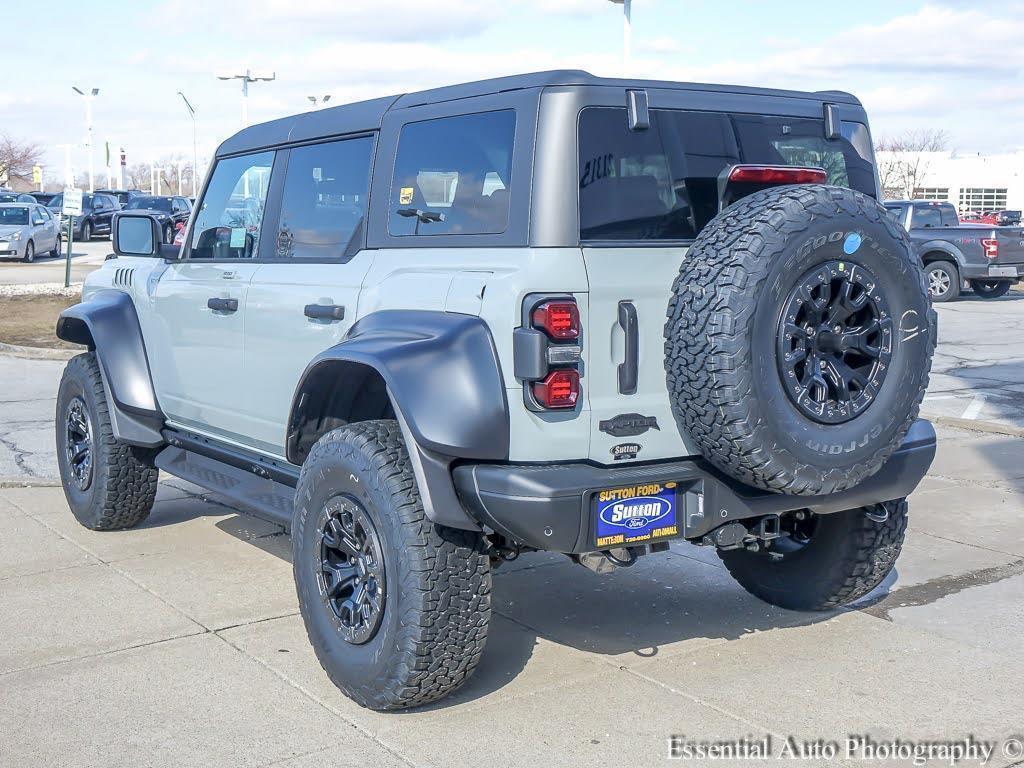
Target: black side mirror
x,y
136,234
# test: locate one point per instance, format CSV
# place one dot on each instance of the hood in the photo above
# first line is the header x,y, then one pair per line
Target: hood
x,y
6,230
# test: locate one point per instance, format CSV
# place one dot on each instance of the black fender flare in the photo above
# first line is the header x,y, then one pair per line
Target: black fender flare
x,y
108,325
941,246
444,381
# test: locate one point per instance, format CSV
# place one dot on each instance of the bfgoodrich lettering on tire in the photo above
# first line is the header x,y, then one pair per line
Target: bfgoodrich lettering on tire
x,y
395,606
799,339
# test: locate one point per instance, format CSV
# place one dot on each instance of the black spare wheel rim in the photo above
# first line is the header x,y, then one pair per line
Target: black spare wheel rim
x,y
351,573
78,446
834,341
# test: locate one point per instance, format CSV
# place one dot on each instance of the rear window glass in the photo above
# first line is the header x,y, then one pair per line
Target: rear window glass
x,y
452,175
662,183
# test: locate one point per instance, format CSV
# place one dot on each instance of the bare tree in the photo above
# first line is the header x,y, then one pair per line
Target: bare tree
x,y
903,161
176,175
136,176
17,159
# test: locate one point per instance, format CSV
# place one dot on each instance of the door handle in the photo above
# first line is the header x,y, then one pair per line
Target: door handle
x,y
222,305
324,312
629,368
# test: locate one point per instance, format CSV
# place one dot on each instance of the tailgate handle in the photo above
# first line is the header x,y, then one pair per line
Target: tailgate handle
x,y
628,369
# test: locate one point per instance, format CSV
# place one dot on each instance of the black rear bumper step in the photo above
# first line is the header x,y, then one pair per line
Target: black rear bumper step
x,y
548,506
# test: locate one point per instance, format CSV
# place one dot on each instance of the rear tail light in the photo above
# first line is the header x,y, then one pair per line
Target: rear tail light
x,y
991,247
777,174
560,389
558,319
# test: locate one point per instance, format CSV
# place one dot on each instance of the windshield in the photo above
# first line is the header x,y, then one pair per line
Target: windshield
x,y
13,217
662,183
150,204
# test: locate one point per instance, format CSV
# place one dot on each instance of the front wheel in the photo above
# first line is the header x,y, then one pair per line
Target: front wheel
x,y
991,289
943,281
396,607
56,247
30,252
822,562
169,234
86,232
108,484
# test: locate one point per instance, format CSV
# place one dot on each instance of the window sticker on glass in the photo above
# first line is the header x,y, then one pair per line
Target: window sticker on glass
x,y
237,237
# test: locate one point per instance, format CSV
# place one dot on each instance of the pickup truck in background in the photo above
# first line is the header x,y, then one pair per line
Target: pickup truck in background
x,y
987,259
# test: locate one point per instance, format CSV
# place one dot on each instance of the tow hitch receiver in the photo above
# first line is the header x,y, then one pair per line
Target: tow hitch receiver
x,y
750,534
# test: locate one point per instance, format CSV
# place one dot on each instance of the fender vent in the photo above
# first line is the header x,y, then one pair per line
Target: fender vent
x,y
123,277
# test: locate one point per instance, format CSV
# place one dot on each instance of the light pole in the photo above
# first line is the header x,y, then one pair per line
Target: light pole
x,y
247,78
627,15
319,101
92,94
195,155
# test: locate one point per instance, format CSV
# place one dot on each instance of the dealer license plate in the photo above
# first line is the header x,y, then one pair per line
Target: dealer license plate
x,y
635,514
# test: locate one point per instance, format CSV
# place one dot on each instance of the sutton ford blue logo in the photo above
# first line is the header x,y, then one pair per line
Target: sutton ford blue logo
x,y
636,513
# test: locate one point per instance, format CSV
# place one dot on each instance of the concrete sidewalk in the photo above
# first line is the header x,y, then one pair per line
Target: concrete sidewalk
x,y
179,644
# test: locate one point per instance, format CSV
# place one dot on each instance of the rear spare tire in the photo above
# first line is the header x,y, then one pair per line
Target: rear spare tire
x,y
799,339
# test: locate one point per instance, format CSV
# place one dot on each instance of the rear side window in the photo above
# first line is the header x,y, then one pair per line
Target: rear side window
x,y
662,183
228,223
324,201
453,175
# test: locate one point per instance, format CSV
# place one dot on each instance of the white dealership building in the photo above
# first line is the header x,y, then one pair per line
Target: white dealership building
x,y
971,182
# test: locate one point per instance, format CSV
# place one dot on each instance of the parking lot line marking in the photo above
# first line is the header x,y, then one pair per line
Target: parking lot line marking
x,y
974,409
940,397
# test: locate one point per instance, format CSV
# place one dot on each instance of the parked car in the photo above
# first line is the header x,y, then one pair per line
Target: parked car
x,y
168,210
9,196
27,230
429,333
43,198
97,214
993,218
123,196
987,259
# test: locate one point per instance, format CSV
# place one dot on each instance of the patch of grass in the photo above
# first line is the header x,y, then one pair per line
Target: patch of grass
x,y
29,321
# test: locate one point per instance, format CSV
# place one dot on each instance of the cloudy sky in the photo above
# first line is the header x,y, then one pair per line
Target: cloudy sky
x,y
947,64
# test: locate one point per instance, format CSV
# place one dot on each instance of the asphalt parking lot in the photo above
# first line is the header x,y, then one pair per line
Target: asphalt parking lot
x,y
85,257
179,643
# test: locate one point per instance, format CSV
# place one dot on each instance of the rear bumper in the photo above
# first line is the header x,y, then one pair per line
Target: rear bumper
x,y
994,271
549,507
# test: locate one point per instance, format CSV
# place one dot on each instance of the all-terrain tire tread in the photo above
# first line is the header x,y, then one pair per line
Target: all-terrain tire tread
x,y
446,588
708,359
127,477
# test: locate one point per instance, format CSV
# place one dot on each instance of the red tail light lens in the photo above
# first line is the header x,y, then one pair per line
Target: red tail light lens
x,y
558,319
777,174
561,389
991,247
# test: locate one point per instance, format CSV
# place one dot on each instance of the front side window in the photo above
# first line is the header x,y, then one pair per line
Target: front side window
x,y
229,220
662,183
324,201
452,175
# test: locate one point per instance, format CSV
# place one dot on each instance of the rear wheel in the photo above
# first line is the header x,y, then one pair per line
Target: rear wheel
x,y
991,289
396,607
943,281
823,561
169,233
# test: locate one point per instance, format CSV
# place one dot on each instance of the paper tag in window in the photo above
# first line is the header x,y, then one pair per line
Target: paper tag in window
x,y
405,196
237,237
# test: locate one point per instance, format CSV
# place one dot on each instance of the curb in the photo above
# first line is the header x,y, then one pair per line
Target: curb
x,y
37,353
970,425
28,482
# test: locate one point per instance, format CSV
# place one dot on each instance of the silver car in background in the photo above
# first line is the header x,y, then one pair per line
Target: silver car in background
x,y
27,230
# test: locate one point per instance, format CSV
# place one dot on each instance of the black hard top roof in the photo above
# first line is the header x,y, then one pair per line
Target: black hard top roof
x,y
368,115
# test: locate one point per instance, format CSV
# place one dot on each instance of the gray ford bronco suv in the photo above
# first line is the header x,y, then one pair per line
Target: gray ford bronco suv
x,y
431,332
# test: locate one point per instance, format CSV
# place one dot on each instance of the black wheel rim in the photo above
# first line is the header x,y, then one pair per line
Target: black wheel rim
x,y
939,282
834,342
79,448
351,569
